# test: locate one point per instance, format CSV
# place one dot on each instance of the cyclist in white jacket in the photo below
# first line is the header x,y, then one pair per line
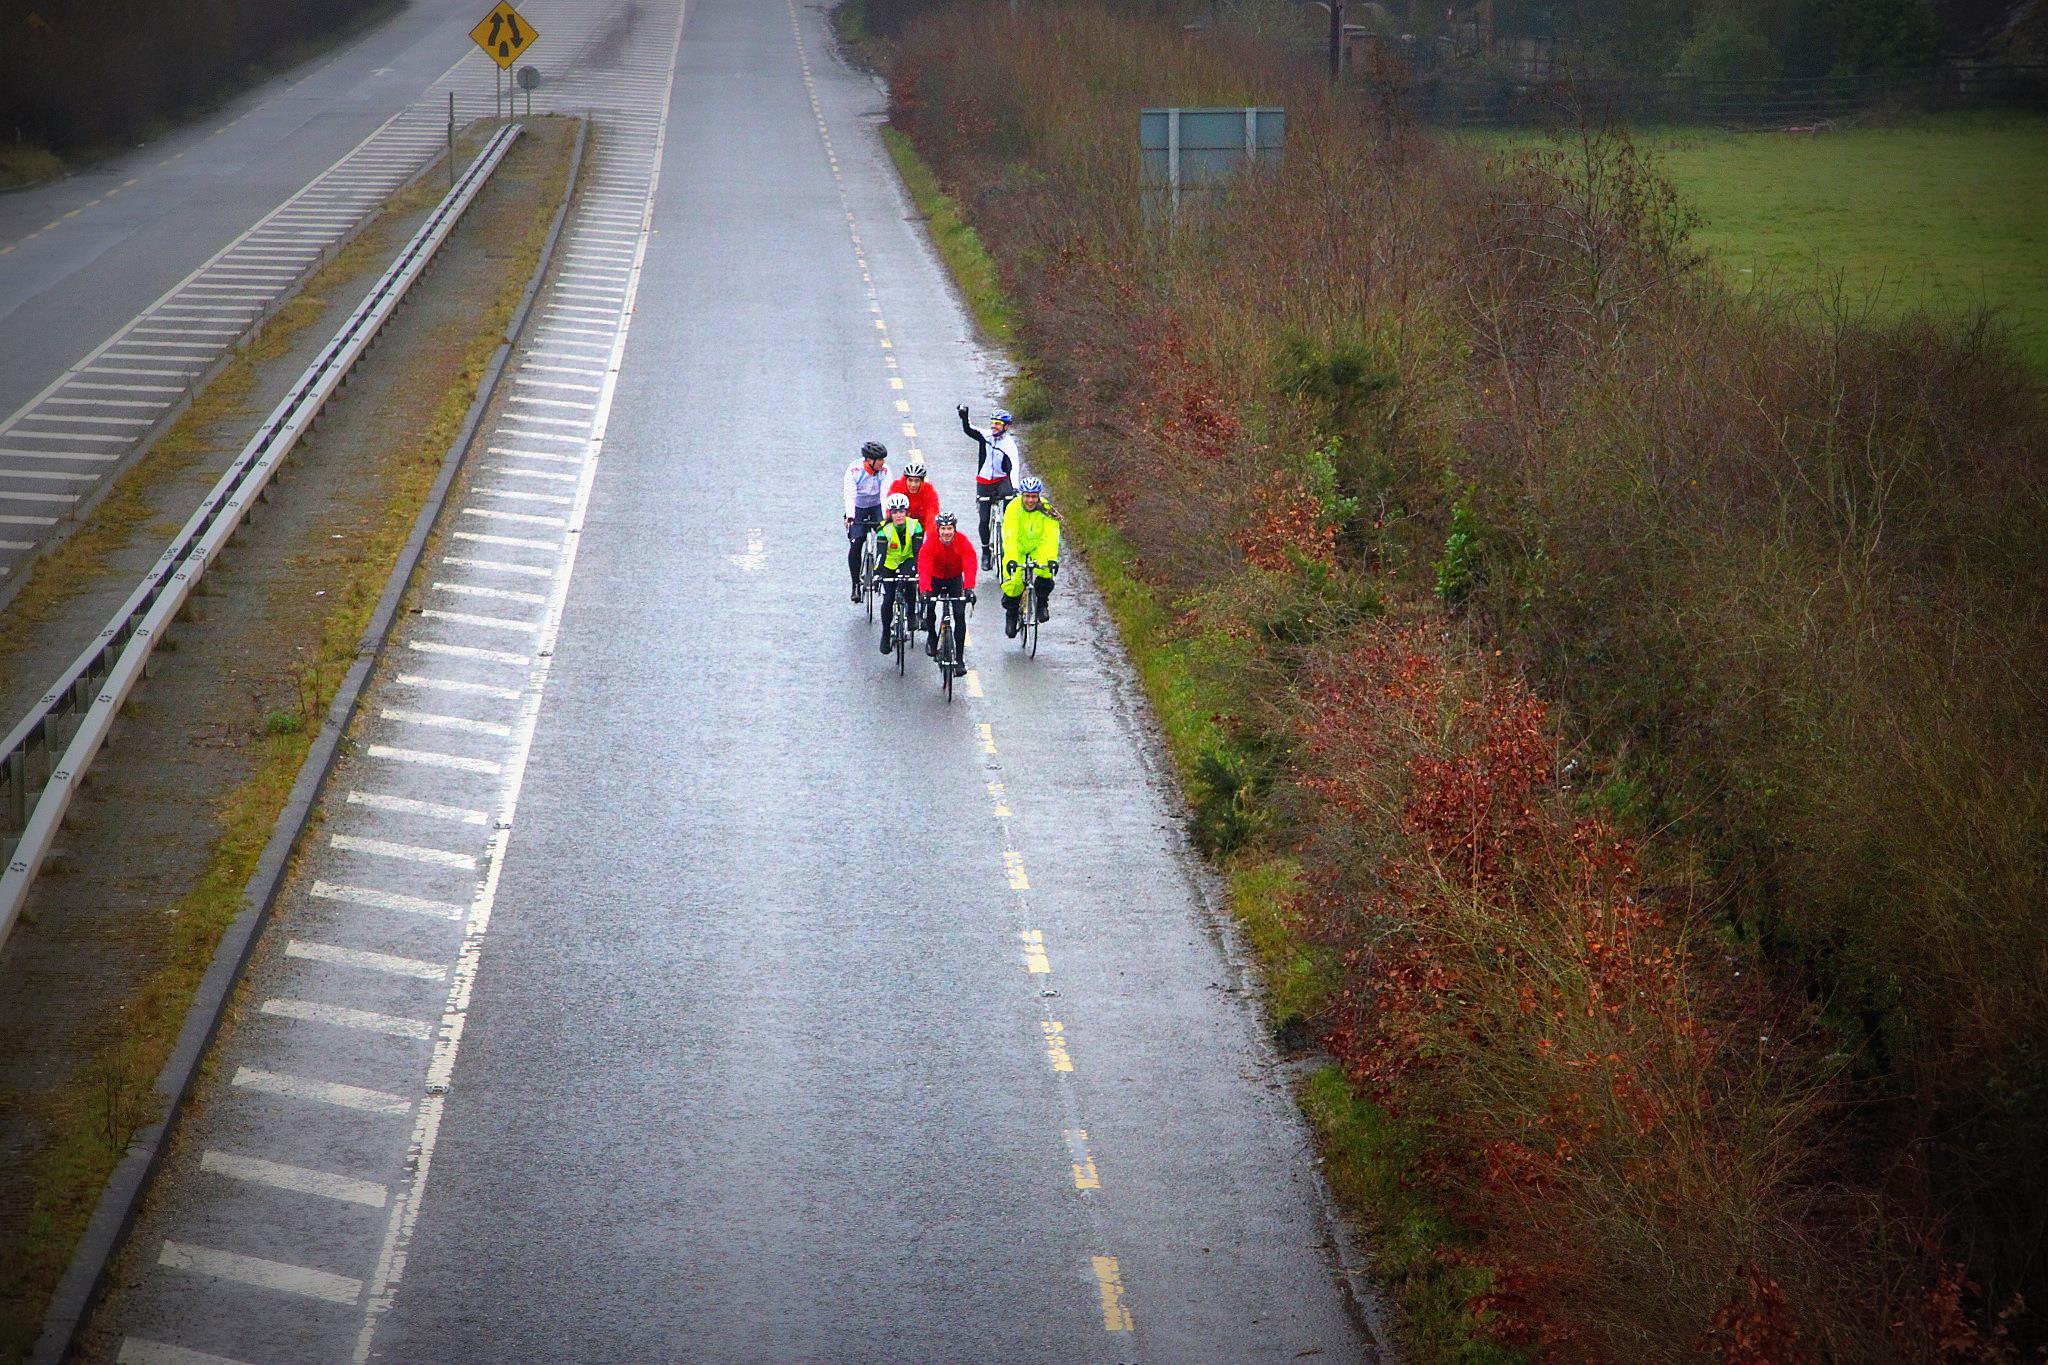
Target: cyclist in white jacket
x,y
866,479
996,469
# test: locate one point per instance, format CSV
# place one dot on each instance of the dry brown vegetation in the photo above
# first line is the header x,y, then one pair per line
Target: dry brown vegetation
x,y
1707,988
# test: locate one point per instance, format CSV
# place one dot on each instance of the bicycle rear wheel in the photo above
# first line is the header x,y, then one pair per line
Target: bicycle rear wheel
x,y
867,580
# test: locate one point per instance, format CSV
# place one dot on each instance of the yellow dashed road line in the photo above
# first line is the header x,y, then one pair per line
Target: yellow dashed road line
x,y
1109,1284
1035,960
1085,1177
1056,1044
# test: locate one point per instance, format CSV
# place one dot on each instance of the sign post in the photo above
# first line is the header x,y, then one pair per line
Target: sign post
x,y
504,35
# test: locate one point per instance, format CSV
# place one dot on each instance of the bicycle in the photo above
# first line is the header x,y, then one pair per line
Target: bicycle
x,y
902,625
1027,611
951,653
995,524
869,565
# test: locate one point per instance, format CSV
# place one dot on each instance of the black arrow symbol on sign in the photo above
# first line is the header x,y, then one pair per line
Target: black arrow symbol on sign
x,y
518,35
497,22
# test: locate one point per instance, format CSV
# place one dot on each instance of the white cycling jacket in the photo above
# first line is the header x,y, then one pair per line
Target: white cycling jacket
x,y
998,459
862,489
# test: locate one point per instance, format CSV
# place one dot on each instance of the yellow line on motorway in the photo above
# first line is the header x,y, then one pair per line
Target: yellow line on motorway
x,y
1035,960
988,737
1109,1285
1085,1177
1013,864
1056,1044
1000,795
973,682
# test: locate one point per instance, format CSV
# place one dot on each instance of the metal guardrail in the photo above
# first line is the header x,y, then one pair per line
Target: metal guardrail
x,y
44,758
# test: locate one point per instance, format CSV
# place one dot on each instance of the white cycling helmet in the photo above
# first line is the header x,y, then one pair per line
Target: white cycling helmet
x,y
914,470
898,502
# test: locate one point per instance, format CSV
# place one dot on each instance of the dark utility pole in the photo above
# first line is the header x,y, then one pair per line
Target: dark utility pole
x,y
1336,8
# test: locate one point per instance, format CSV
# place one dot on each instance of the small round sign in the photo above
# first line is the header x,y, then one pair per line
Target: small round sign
x,y
529,77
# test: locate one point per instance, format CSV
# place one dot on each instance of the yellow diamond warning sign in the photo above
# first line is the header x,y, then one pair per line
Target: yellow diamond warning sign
x,y
504,34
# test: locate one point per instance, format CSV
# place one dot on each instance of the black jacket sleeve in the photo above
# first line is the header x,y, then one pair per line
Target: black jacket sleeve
x,y
979,439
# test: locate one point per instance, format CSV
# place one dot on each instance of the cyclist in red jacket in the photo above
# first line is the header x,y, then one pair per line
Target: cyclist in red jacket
x,y
924,499
946,564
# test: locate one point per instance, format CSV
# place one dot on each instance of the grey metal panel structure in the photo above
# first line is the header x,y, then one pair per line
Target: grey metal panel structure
x,y
1184,148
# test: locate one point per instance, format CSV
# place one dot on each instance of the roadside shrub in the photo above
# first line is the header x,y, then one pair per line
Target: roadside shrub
x,y
1458,570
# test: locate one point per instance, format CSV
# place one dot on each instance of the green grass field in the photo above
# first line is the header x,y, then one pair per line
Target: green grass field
x,y
1943,212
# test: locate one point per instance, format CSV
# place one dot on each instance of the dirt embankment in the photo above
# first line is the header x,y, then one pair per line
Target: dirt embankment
x,y
97,976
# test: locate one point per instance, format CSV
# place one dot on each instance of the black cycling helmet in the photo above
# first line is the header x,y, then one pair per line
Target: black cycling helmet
x,y
874,450
948,519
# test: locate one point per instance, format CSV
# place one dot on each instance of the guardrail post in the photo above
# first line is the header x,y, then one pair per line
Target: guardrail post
x,y
36,756
17,793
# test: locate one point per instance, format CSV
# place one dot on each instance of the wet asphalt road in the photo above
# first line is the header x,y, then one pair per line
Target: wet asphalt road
x,y
812,1018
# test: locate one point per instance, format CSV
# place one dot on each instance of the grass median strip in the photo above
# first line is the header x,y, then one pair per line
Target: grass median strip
x,y
435,368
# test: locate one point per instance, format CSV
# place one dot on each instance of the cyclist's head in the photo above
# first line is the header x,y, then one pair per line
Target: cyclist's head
x,y
1032,489
947,521
898,505
914,471
999,419
874,452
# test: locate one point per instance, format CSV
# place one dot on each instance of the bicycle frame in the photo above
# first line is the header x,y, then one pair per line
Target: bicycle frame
x,y
951,651
902,625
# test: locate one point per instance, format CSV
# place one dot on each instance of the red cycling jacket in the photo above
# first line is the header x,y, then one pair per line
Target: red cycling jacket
x,y
940,560
924,503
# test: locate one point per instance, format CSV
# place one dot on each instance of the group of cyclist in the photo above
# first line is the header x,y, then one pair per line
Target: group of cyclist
x,y
919,550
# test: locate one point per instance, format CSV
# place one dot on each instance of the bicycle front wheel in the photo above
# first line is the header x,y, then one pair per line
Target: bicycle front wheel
x,y
902,635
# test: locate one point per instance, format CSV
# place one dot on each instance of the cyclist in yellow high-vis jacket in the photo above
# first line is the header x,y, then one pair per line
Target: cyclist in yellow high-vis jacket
x,y
897,541
1031,530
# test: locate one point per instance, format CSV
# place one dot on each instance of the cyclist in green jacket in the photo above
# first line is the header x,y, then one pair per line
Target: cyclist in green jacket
x,y
897,541
1031,530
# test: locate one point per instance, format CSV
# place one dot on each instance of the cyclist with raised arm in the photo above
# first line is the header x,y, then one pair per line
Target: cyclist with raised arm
x,y
897,541
1031,531
924,499
996,469
946,566
861,491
